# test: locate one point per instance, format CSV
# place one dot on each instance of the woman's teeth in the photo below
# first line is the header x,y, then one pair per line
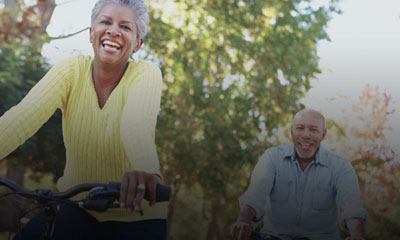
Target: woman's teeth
x,y
110,44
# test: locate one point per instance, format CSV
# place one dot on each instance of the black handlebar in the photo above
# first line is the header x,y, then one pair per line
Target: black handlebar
x,y
100,197
264,236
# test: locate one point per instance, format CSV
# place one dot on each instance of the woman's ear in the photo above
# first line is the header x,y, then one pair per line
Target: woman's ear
x,y
138,44
90,35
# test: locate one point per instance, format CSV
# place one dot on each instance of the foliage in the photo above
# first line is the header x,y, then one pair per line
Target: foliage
x,y
233,73
25,23
21,66
377,165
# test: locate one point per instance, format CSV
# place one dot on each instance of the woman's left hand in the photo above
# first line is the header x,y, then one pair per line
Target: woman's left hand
x,y
133,187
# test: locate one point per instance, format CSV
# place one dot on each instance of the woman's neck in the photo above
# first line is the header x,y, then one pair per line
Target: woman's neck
x,y
105,79
105,76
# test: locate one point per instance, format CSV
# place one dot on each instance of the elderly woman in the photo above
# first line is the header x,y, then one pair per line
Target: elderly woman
x,y
110,105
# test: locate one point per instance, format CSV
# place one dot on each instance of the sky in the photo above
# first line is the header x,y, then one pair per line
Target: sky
x,y
364,49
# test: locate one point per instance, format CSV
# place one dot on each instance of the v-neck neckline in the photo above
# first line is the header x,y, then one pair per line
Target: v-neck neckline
x,y
116,88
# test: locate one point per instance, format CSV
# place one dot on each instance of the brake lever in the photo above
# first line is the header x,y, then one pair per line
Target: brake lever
x,y
99,199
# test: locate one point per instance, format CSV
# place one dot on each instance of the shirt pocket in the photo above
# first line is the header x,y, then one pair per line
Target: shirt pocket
x,y
323,198
280,192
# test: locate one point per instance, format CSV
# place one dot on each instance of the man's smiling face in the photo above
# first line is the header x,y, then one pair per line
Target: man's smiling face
x,y
308,130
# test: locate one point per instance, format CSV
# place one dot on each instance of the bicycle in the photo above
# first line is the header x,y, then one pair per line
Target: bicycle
x,y
270,236
100,198
264,236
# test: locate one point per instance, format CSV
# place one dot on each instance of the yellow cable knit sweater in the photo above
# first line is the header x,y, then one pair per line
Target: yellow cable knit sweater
x,y
101,143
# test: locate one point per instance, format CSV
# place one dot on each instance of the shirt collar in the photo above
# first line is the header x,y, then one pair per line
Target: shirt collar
x,y
320,158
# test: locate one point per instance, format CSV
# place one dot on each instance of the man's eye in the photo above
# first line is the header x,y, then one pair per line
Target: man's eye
x,y
105,22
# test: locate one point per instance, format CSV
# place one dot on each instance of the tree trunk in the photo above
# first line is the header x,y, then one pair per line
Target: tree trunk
x,y
8,219
46,9
8,210
15,171
171,207
213,232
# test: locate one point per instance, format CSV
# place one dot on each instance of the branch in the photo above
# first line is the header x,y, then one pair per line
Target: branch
x,y
69,35
60,4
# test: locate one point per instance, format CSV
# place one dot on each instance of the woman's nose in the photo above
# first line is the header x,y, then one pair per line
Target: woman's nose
x,y
113,31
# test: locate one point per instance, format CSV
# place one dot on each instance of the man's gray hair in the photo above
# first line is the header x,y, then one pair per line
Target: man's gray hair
x,y
319,114
137,6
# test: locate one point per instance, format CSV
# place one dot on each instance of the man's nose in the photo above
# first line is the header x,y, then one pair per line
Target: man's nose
x,y
306,133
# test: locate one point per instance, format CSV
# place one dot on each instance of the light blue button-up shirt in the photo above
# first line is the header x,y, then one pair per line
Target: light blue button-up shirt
x,y
293,203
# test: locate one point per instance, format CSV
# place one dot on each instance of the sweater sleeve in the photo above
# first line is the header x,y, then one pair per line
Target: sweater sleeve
x,y
139,118
23,120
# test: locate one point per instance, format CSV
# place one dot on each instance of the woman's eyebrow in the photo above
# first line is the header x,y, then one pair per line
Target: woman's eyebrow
x,y
123,21
105,16
127,22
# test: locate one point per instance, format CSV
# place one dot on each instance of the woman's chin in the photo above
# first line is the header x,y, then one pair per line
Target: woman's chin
x,y
108,59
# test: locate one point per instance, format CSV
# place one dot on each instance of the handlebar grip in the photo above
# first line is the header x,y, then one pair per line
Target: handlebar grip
x,y
163,193
102,198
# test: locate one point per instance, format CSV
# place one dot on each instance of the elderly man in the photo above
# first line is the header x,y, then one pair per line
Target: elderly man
x,y
302,190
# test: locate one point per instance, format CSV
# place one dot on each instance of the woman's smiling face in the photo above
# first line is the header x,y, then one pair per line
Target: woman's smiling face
x,y
114,34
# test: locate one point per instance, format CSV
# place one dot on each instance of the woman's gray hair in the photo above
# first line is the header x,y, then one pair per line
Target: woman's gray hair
x,y
137,6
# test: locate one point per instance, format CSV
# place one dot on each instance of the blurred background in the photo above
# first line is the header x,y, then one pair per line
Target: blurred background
x,y
235,72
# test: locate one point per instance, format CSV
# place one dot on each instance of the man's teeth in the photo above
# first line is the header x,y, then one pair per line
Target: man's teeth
x,y
114,44
305,144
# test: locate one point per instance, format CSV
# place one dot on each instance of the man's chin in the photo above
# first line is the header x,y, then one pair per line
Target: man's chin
x,y
307,155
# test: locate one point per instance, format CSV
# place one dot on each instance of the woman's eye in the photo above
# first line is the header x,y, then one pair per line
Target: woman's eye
x,y
125,27
105,22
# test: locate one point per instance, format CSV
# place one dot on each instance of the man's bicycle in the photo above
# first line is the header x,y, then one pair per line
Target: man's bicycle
x,y
270,236
100,198
264,236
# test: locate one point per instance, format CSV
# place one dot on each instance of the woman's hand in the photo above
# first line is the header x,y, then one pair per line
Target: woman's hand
x,y
133,187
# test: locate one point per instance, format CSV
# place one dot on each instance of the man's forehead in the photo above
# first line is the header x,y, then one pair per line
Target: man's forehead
x,y
312,118
308,124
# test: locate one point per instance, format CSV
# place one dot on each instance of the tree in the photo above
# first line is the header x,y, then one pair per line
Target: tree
x,y
20,68
376,163
233,72
25,23
22,35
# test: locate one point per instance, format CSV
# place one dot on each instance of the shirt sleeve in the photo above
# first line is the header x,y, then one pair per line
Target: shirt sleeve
x,y
139,118
261,183
23,120
348,196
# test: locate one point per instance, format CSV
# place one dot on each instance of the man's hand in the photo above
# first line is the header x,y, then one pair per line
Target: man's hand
x,y
133,187
356,229
241,230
